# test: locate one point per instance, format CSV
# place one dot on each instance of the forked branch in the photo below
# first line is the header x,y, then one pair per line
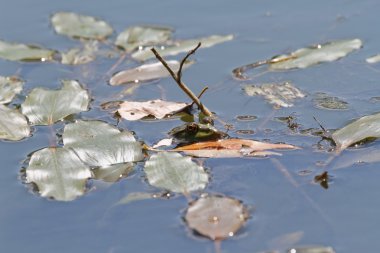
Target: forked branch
x,y
177,78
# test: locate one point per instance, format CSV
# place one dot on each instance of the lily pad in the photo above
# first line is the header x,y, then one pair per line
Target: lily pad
x,y
280,95
45,107
146,72
306,57
9,88
13,125
181,47
360,129
113,173
58,173
23,52
135,196
374,59
158,108
80,26
77,56
325,101
100,144
173,172
216,217
138,36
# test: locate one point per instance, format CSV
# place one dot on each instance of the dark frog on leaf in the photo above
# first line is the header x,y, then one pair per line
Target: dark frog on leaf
x,y
194,132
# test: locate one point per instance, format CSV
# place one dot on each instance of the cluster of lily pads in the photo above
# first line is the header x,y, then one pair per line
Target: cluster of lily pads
x,y
94,149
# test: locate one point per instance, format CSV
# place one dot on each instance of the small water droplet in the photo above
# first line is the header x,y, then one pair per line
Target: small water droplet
x,y
141,48
231,234
293,251
43,59
162,47
136,81
214,219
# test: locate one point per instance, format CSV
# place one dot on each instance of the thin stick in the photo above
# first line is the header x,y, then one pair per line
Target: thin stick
x,y
200,94
183,86
179,73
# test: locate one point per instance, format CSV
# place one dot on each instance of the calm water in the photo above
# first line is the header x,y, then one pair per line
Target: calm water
x,y
345,216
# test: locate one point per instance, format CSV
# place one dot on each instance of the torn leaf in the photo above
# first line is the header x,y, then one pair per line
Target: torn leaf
x,y
13,125
9,87
280,95
83,55
157,108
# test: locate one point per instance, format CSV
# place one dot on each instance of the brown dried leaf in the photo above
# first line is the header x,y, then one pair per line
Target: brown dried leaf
x,y
216,217
157,108
232,148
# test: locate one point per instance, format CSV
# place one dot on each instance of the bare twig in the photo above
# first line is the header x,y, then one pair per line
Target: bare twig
x,y
183,86
179,73
200,94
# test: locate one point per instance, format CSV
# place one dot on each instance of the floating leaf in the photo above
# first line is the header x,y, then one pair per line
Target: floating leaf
x,y
80,26
357,157
113,173
100,144
324,101
285,241
157,108
373,59
306,57
312,249
231,148
360,129
45,107
164,143
77,56
9,88
216,217
58,173
22,52
146,72
175,173
13,125
280,95
181,47
138,36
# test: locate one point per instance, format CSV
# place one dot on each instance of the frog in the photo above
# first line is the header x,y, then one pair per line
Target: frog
x,y
196,132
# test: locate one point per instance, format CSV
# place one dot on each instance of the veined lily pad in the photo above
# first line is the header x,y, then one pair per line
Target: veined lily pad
x,y
9,87
13,125
280,95
80,26
58,173
82,55
173,172
100,144
45,107
146,72
113,173
136,36
181,47
22,52
360,129
216,217
306,57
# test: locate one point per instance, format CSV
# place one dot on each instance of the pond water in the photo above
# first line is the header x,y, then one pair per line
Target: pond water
x,y
287,208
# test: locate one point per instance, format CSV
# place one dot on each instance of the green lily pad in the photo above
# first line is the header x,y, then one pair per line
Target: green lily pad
x,y
45,107
360,129
58,173
306,57
100,144
13,125
80,26
216,217
113,173
146,72
9,88
181,47
138,36
325,101
23,52
173,172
